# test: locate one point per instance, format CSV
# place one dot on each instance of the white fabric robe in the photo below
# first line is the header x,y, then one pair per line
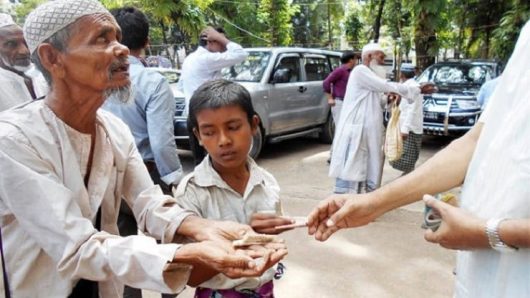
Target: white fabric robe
x,y
13,90
47,214
357,145
497,183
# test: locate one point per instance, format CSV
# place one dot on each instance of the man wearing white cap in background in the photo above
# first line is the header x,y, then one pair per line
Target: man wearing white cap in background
x,y
67,165
357,157
410,122
17,85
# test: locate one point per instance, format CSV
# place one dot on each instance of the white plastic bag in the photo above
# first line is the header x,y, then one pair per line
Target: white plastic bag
x,y
393,147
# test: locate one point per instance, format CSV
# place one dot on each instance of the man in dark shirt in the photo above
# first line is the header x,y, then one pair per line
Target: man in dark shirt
x,y
336,82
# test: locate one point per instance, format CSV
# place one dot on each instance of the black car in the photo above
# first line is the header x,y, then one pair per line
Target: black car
x,y
454,108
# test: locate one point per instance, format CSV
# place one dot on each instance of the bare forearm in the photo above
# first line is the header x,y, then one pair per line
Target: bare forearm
x,y
515,232
443,171
193,228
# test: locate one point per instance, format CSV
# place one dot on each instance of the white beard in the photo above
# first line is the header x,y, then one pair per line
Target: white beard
x,y
16,67
122,95
21,68
379,69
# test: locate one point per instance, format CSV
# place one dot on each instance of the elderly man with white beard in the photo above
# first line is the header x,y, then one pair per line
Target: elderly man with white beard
x,y
17,83
67,165
357,157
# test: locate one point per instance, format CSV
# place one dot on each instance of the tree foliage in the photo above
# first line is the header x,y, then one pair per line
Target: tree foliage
x,y
275,16
432,29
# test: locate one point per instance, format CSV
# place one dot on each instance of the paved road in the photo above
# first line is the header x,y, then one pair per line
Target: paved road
x,y
387,258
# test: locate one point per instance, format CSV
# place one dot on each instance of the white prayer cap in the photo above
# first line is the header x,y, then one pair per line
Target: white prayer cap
x,y
6,20
50,17
372,47
407,67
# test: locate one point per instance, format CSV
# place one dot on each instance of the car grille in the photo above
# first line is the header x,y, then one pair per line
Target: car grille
x,y
180,106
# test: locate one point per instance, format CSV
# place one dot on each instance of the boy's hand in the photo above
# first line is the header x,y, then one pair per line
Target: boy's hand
x,y
266,223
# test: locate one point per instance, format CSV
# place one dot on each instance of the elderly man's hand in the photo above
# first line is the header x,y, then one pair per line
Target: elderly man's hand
x,y
341,211
459,229
428,88
234,263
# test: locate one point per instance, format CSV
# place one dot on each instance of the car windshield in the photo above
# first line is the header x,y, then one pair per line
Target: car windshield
x,y
250,70
469,74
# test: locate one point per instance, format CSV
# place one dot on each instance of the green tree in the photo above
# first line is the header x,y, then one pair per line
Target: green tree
x,y
276,16
511,23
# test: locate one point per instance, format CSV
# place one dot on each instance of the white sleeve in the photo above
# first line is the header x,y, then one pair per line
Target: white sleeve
x,y
234,54
367,79
48,211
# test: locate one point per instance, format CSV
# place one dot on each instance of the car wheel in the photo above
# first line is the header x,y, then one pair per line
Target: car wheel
x,y
257,144
328,131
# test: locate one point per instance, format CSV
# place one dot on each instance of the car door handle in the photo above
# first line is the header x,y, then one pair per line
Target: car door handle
x,y
302,89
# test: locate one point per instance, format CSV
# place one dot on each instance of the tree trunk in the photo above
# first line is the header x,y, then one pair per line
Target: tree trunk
x,y
377,23
425,41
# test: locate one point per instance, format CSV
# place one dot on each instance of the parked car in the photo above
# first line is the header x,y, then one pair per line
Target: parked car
x,y
454,109
285,85
173,75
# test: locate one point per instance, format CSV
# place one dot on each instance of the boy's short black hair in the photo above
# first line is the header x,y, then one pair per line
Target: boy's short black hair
x,y
134,26
214,95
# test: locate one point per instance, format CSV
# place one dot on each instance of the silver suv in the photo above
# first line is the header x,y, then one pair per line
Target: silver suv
x,y
286,89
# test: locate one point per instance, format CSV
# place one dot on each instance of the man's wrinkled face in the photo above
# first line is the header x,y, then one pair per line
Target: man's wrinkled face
x,y
95,59
14,52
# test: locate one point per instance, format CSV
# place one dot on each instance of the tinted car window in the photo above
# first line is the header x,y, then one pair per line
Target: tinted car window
x,y
335,62
457,74
316,68
293,65
250,70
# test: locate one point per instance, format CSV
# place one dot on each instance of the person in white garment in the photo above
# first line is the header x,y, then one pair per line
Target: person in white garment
x,y
357,159
214,52
66,165
491,227
19,82
410,122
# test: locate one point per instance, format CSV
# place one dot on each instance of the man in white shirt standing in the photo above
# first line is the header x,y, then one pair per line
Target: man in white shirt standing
x,y
17,85
214,53
411,123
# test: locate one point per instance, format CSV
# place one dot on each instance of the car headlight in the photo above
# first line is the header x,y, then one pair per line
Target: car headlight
x,y
468,104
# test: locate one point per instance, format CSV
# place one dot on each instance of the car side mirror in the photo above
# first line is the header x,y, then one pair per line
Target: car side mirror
x,y
281,75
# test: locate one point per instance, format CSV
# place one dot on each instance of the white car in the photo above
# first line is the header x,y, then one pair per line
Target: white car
x,y
181,132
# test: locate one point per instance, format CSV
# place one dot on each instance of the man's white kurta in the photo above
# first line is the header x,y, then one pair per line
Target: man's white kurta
x,y
13,90
47,215
497,183
411,117
357,145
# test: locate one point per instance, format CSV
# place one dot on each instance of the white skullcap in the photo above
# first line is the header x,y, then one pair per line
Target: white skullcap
x,y
407,67
6,20
372,47
51,17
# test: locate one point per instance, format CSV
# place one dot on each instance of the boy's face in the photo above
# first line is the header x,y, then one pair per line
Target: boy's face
x,y
226,135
